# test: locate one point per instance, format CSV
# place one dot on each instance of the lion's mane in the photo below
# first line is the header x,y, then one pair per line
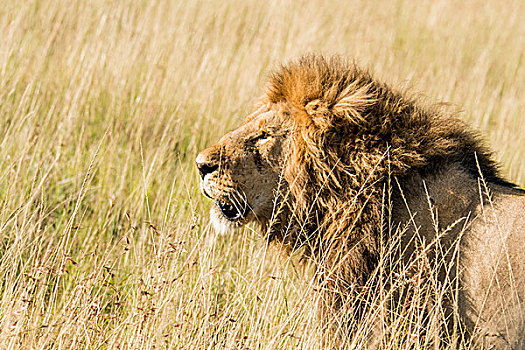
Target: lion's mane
x,y
353,137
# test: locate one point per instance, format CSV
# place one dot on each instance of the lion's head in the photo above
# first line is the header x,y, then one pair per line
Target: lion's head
x,y
271,165
243,171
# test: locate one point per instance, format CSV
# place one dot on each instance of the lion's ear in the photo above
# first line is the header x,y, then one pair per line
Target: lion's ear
x,y
352,102
349,104
317,108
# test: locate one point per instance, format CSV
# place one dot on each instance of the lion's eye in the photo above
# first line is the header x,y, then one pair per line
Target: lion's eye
x,y
263,135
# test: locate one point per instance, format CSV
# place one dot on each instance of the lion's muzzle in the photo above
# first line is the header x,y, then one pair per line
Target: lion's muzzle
x,y
205,165
233,208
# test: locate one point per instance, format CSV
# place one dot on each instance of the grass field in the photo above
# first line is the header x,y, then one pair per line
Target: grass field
x,y
104,237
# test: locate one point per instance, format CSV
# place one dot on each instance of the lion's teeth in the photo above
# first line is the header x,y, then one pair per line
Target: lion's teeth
x,y
230,210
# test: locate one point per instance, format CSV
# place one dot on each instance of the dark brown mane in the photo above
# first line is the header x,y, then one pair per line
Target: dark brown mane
x,y
352,134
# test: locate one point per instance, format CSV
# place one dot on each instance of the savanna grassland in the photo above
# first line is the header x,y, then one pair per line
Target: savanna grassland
x,y
105,240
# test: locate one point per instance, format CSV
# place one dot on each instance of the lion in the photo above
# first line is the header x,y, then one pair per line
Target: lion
x,y
338,165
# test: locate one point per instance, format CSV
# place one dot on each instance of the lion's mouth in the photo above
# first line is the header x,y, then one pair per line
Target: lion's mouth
x,y
231,211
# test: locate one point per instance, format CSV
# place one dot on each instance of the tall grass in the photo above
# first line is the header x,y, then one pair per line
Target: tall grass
x,y
104,237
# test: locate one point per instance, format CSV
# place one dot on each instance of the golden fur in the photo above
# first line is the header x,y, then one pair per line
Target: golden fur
x,y
336,164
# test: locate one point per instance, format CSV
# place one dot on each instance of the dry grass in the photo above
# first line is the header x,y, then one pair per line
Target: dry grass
x,y
104,238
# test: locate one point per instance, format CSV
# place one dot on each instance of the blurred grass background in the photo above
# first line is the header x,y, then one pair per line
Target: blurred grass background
x,y
104,237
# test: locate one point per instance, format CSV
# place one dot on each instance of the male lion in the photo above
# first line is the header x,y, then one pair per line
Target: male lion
x,y
340,166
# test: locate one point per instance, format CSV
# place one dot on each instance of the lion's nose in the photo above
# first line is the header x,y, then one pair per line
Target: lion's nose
x,y
205,166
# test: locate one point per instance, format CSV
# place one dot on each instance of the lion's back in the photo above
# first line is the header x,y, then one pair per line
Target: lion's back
x,y
481,231
493,268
